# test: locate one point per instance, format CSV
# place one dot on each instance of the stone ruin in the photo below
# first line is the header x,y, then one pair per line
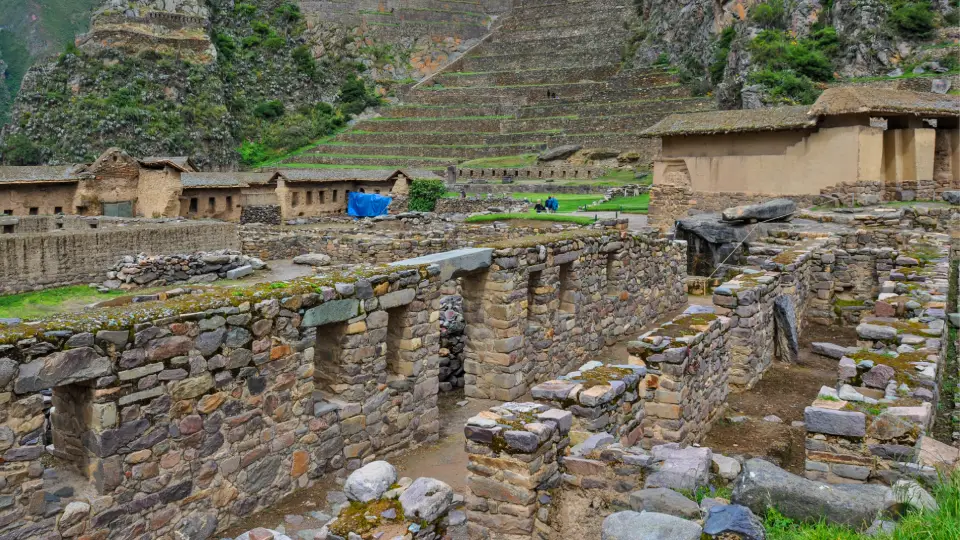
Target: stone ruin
x,y
180,418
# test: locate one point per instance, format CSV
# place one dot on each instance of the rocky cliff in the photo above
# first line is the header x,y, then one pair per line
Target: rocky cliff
x,y
754,53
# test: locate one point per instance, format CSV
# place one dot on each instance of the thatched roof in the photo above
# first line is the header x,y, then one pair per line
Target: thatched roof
x,y
349,175
42,174
738,121
182,163
223,179
884,101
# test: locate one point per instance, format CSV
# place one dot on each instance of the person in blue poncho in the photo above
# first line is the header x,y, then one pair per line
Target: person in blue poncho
x,y
552,204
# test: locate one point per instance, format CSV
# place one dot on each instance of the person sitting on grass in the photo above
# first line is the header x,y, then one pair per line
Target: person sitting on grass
x,y
540,208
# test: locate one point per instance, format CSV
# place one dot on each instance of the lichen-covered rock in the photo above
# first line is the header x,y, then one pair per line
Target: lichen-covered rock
x,y
370,482
763,485
648,526
426,499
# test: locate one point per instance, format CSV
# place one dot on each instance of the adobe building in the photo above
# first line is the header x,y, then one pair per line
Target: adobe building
x,y
116,184
857,143
119,185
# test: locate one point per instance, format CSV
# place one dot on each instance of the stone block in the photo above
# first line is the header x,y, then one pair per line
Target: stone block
x,y
331,312
831,422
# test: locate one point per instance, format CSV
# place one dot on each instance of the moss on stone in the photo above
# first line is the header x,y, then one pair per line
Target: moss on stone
x,y
361,518
687,325
603,375
127,316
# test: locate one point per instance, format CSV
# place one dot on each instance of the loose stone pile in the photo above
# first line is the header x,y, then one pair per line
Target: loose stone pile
x,y
452,343
158,270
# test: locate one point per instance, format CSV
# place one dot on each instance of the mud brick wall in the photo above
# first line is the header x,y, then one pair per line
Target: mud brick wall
x,y
514,451
57,258
555,300
184,416
602,399
688,365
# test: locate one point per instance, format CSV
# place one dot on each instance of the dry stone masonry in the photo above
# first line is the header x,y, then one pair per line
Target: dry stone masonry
x,y
204,267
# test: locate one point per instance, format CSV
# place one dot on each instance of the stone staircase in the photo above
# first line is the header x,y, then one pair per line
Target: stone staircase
x,y
548,74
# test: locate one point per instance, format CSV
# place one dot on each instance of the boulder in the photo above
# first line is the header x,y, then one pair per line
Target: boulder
x,y
370,482
910,493
733,521
788,338
601,153
664,501
560,152
952,197
727,467
679,468
763,485
648,526
774,210
312,259
426,499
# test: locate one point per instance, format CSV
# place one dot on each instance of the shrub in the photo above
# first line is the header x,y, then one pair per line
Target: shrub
x,y
304,59
720,55
775,50
786,86
288,12
826,40
252,153
424,194
269,110
20,150
244,9
275,42
772,14
913,19
663,60
354,96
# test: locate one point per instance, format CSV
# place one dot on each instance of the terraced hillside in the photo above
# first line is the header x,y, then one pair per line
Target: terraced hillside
x,y
548,74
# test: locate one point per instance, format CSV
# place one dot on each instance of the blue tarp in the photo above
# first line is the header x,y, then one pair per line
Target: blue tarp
x,y
367,204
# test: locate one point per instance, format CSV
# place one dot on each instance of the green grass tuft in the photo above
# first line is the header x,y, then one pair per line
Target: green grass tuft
x,y
628,205
37,304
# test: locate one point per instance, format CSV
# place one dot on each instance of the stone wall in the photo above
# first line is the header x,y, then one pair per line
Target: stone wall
x,y
514,454
356,247
688,363
159,270
498,188
269,214
470,175
873,425
476,205
556,300
52,259
669,203
187,415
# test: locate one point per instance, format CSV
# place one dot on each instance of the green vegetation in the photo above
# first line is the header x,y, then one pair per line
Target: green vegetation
x,y
259,100
485,218
913,19
568,203
522,160
790,68
771,14
943,524
424,194
33,305
623,176
628,205
721,53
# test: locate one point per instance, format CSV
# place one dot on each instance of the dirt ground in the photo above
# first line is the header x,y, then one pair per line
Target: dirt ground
x,y
784,391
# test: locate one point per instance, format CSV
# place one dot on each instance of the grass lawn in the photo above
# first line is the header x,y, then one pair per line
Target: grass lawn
x,y
484,218
628,205
33,305
522,160
568,203
623,176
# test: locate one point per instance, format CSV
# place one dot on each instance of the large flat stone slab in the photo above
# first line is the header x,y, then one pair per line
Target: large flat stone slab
x,y
331,312
454,263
